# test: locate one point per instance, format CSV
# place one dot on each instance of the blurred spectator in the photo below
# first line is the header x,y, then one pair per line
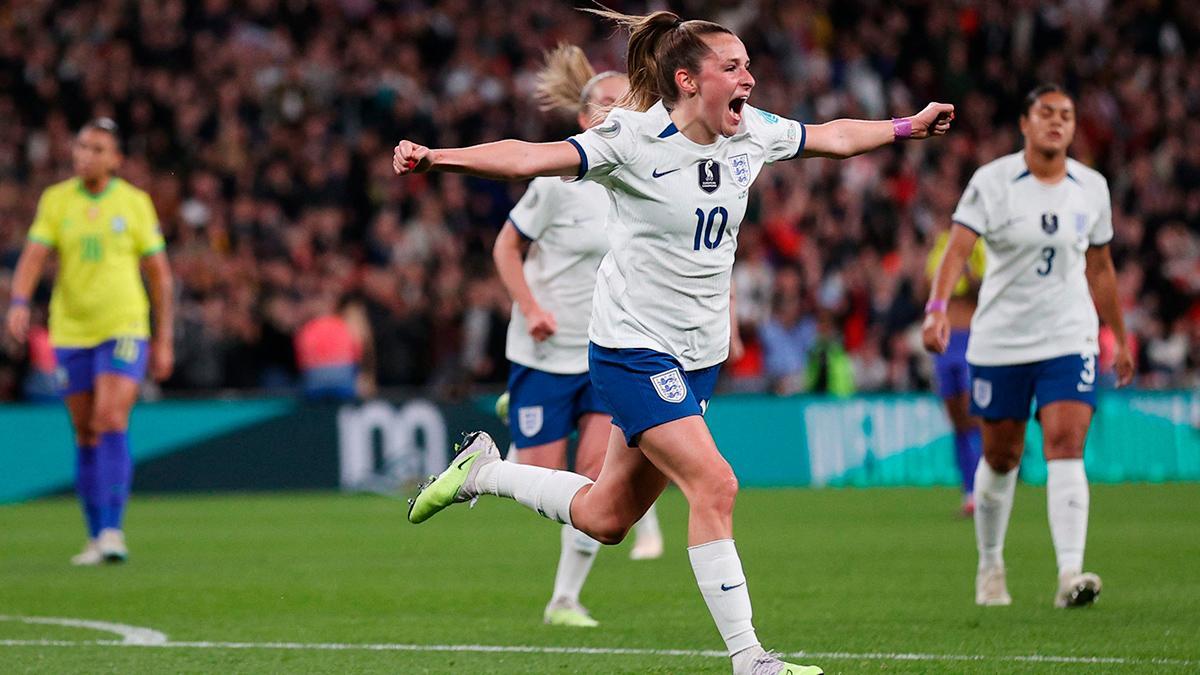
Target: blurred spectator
x,y
328,352
787,335
41,382
263,132
829,370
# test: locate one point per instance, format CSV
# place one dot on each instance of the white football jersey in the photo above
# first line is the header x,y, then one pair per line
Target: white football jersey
x,y
1034,303
675,209
565,222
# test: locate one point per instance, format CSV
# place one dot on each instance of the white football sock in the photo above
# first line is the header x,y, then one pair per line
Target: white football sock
x,y
574,563
993,505
719,575
1067,502
648,525
547,491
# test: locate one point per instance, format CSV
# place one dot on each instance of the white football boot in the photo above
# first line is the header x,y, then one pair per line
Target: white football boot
x,y
1077,589
991,588
111,543
90,555
647,547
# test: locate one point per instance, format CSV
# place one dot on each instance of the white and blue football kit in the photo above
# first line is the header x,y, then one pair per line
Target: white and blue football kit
x,y
548,384
1034,333
662,293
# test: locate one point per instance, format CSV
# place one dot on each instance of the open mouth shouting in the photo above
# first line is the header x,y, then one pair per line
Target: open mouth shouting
x,y
735,109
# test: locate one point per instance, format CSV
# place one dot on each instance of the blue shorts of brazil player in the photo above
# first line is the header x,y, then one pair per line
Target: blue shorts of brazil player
x,y
78,367
644,388
545,407
951,372
1007,392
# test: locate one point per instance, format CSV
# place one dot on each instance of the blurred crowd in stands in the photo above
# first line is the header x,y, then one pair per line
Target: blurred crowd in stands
x,y
263,131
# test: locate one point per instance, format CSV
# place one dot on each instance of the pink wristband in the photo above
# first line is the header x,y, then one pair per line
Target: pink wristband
x,y
935,306
902,127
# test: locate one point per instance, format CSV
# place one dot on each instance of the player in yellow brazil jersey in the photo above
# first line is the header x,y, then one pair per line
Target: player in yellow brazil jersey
x,y
106,233
952,379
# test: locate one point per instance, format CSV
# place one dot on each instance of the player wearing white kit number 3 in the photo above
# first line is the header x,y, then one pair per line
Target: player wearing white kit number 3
x,y
558,228
677,156
1046,222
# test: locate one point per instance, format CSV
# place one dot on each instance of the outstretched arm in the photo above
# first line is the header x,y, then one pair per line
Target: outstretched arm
x,y
500,160
840,139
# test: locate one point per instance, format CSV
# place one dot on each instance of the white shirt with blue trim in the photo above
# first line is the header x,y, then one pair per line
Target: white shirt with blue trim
x,y
1034,303
565,222
675,209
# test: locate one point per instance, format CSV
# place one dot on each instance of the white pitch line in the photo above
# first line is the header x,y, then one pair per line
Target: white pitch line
x,y
617,651
130,635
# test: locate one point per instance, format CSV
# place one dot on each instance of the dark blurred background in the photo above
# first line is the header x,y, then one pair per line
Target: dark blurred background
x,y
263,131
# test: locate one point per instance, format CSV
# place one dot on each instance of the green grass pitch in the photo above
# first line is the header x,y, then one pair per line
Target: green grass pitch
x,y
859,577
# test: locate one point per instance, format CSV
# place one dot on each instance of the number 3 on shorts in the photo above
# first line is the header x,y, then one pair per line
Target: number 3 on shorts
x,y
1088,374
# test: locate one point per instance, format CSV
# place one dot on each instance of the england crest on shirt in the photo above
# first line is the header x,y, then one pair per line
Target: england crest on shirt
x,y
740,166
669,385
529,420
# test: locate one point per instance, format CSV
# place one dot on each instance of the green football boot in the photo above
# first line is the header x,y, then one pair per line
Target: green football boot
x,y
568,613
769,663
457,483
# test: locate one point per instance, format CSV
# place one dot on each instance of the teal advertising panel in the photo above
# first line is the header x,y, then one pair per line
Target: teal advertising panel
x,y
906,440
381,445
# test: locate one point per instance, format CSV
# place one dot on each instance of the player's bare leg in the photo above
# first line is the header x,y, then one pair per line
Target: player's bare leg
x,y
1064,431
995,484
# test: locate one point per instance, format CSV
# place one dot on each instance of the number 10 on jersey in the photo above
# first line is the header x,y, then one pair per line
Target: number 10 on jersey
x,y
704,226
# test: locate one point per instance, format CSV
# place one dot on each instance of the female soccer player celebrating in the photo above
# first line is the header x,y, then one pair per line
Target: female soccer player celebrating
x,y
550,392
106,232
1046,222
677,155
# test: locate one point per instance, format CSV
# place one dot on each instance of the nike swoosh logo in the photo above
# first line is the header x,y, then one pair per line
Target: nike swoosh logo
x,y
730,588
656,174
464,462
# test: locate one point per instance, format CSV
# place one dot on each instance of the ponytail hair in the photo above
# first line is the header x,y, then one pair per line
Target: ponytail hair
x,y
567,80
659,44
561,81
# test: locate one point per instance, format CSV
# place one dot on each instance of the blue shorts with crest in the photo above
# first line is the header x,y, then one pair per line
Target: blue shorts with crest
x,y
1008,392
546,407
644,388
